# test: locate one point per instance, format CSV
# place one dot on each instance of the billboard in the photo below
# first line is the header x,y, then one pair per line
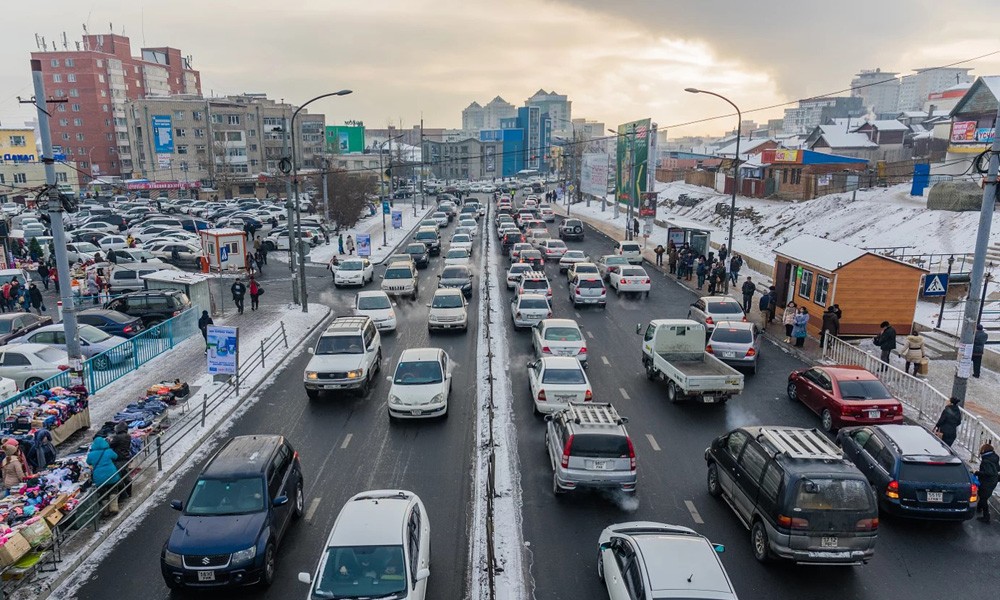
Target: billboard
x,y
594,174
364,244
490,159
223,350
632,160
963,131
163,134
345,139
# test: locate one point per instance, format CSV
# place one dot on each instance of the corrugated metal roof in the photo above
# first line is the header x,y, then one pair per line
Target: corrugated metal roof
x,y
826,254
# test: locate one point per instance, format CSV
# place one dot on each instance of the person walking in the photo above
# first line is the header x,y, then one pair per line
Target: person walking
x,y
788,319
978,348
635,227
105,296
701,270
766,306
799,326
886,341
672,259
340,244
255,292
749,289
43,274
947,424
831,325
723,253
35,297
104,475
257,244
988,474
658,251
263,254
914,352
239,290
735,264
203,324
349,244
251,263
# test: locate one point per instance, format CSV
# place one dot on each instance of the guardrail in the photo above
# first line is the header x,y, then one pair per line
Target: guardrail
x,y
924,401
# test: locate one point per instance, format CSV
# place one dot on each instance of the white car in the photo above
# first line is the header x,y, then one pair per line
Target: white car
x,y
461,240
556,381
552,249
631,279
421,384
514,273
457,256
583,268
536,235
632,251
559,337
28,364
662,561
400,279
546,211
571,257
465,230
112,242
441,217
379,547
609,264
430,223
354,271
448,310
470,223
378,307
529,309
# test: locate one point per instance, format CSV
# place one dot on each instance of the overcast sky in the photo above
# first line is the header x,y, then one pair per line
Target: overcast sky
x,y
617,60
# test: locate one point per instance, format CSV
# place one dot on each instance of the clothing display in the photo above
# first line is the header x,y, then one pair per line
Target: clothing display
x,y
63,411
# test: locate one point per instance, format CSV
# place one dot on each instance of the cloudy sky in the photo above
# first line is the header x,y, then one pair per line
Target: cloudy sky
x,y
617,60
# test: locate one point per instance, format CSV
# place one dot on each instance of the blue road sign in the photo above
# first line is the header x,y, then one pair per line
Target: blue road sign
x,y
935,284
385,207
224,254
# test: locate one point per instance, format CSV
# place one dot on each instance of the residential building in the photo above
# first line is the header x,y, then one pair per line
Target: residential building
x,y
496,110
536,126
97,80
878,89
816,111
473,116
21,169
833,139
557,106
916,87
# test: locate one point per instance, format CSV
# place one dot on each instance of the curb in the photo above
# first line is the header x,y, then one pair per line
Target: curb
x,y
393,249
95,543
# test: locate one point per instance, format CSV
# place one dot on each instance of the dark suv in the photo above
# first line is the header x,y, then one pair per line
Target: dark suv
x,y
801,500
152,306
236,516
913,472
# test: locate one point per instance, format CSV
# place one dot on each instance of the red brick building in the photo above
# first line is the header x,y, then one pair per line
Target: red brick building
x,y
91,128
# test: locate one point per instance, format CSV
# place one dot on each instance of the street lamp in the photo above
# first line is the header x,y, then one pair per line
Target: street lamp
x,y
298,207
736,165
381,185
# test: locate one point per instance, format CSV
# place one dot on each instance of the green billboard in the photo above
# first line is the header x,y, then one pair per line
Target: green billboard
x,y
632,161
345,139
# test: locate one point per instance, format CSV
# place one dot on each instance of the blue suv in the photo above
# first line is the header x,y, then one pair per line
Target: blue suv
x,y
236,516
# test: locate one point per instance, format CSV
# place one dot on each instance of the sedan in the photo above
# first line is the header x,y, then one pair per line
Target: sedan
x,y
105,349
570,258
631,279
77,251
133,255
176,253
844,395
559,337
354,271
552,249
609,264
736,343
421,384
441,218
514,274
419,253
533,258
555,381
13,325
111,321
460,240
28,364
112,242
529,309
586,269
376,304
517,249
709,310
457,256
587,289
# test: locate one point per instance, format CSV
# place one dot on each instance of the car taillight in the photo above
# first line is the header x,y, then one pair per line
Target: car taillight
x,y
708,349
577,291
867,524
604,291
974,493
709,321
744,318
582,350
176,312
295,455
546,350
550,313
792,522
631,454
565,455
892,490
648,280
623,280
63,367
128,329
541,395
751,352
588,395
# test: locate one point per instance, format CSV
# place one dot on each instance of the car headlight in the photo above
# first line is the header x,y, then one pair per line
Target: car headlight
x,y
437,398
392,315
395,400
172,559
354,374
244,556
312,375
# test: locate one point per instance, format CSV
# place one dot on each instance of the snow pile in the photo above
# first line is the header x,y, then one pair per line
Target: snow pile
x,y
373,227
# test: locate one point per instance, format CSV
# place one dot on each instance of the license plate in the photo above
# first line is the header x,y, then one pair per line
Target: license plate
x,y
708,398
598,465
829,542
206,575
416,412
332,386
935,496
729,354
872,414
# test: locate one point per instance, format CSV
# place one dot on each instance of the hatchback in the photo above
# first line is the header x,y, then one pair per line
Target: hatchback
x,y
529,309
587,289
736,343
421,384
844,395
632,251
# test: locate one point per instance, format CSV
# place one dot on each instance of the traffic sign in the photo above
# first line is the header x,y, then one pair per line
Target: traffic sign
x,y
223,253
935,284
385,207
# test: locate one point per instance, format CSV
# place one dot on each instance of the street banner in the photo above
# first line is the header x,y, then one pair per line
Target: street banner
x,y
397,219
223,350
163,134
490,159
632,158
594,174
647,206
364,244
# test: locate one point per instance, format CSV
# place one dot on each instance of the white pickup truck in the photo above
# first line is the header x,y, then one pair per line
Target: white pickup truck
x,y
674,350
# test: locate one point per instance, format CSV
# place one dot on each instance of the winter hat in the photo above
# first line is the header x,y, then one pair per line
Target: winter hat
x,y
979,327
121,427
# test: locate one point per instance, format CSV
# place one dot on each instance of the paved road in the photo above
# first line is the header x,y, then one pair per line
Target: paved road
x,y
346,446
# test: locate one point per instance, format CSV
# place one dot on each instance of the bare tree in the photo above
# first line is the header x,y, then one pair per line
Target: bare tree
x,y
348,193
224,176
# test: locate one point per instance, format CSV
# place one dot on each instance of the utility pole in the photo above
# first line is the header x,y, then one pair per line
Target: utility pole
x,y
326,194
55,207
970,318
290,218
421,174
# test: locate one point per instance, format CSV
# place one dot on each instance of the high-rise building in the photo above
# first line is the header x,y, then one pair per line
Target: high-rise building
x,y
473,117
559,109
497,109
916,87
96,80
812,112
879,91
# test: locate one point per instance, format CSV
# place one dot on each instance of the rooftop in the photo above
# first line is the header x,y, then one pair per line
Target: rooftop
x,y
826,254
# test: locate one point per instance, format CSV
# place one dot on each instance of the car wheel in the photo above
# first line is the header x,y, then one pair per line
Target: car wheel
x,y
102,363
650,371
267,577
556,489
672,391
299,502
792,393
313,394
760,543
31,381
600,565
826,419
714,489
365,387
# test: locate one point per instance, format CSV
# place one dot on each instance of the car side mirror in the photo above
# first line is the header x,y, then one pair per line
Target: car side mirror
x,y
428,305
718,548
176,505
423,574
605,546
548,418
305,578
279,501
309,350
638,328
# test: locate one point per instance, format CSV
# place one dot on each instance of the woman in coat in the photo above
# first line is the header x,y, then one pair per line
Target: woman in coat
x,y
988,474
101,459
914,353
788,319
11,467
947,424
799,323
350,245
255,292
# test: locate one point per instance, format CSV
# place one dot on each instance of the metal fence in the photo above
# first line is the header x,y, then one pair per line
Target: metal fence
x,y
922,402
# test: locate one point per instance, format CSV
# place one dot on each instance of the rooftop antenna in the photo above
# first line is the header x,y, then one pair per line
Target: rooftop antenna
x,y
45,45
111,27
65,42
77,46
38,42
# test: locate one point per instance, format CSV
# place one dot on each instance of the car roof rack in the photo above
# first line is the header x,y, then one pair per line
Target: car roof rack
x,y
348,322
595,413
798,443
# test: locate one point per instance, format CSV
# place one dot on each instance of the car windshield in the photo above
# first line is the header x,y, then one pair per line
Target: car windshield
x,y
533,303
871,389
426,235
563,376
416,249
455,273
461,238
630,247
732,336
340,344
586,269
447,301
420,372
361,572
373,303
563,334
457,253
518,269
949,473
535,284
93,335
616,260
600,445
352,265
833,494
216,497
398,273
725,308
574,254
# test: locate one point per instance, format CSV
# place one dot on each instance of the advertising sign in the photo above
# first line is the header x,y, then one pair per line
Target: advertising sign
x,y
162,185
223,350
788,156
163,161
594,174
364,244
343,142
345,139
163,134
386,207
984,135
963,131
490,159
632,160
397,219
647,205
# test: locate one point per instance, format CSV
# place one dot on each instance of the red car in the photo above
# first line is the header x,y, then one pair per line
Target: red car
x,y
844,395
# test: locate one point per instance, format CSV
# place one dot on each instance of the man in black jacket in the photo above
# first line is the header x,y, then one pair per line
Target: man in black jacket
x,y
947,424
203,324
748,291
989,475
239,291
831,324
886,341
978,348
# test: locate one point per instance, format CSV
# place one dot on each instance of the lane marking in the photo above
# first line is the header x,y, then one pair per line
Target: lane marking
x,y
590,335
624,393
347,440
311,511
604,359
694,512
578,315
652,442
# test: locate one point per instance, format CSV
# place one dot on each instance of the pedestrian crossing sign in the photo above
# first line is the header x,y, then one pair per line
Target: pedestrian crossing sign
x,y
935,284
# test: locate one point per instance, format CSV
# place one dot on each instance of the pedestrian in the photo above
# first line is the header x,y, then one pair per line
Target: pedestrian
x,y
112,256
203,324
42,452
121,444
35,298
659,250
914,352
840,313
672,258
130,241
340,244
831,325
24,300
251,263
93,289
15,291
766,306
104,475
349,244
255,292
713,278
749,288
5,297
723,253
988,474
43,274
799,327
788,319
735,264
263,254
947,424
239,290
12,468
978,348
702,271
635,227
105,296
259,257
886,340
689,266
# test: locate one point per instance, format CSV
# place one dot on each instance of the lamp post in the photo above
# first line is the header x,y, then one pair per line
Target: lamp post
x,y
298,207
736,166
381,178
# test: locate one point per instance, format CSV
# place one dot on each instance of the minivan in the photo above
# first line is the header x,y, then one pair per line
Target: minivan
x,y
125,279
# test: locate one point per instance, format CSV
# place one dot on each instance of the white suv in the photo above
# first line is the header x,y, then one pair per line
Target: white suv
x,y
448,310
421,384
347,356
400,279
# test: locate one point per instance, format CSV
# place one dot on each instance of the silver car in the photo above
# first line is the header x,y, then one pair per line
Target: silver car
x,y
588,446
736,343
709,310
107,348
529,309
587,289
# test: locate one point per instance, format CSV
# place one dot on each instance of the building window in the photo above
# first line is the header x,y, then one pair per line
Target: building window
x,y
200,149
199,133
796,176
104,94
69,62
59,93
20,178
64,122
54,62
253,147
65,136
108,136
105,108
217,118
180,132
234,136
107,122
61,108
233,119
822,289
178,115
78,122
254,162
79,137
784,176
56,78
197,115
74,93
2,179
182,149
100,77
100,64
252,133
71,77
76,108
805,283
61,177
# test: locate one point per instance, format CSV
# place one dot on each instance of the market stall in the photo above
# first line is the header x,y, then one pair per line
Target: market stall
x,y
63,411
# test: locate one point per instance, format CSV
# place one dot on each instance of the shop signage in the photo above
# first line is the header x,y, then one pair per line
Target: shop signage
x,y
963,131
984,135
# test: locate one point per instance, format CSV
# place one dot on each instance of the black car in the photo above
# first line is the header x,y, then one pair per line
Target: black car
x,y
509,240
236,516
913,472
571,229
431,239
457,276
112,322
152,306
14,325
419,253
